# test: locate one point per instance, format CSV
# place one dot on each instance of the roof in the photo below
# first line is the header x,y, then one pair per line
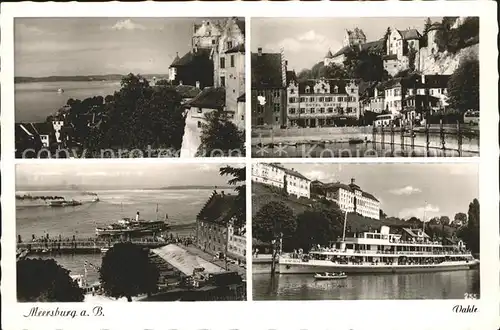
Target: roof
x,y
242,98
390,57
373,46
409,34
187,91
267,70
329,54
176,59
210,98
340,83
291,76
288,171
422,97
185,261
218,208
191,56
342,51
237,49
350,187
241,25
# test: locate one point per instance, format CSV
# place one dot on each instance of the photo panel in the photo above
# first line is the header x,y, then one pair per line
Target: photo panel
x,y
365,87
365,231
115,87
98,233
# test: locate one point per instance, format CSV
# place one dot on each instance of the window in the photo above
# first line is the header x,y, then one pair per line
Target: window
x,y
291,111
199,124
313,110
321,110
260,121
232,61
199,110
223,81
222,62
302,110
328,99
229,44
321,99
260,108
277,107
276,93
330,110
312,99
291,100
302,99
308,89
213,41
277,119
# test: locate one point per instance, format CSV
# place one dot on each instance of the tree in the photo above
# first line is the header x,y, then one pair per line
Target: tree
x,y
470,233
387,34
411,58
444,220
127,271
427,26
41,280
364,65
382,214
414,222
463,86
220,137
238,179
313,227
460,217
273,219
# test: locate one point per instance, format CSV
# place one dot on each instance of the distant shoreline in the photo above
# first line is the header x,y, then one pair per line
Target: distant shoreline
x,y
66,189
105,77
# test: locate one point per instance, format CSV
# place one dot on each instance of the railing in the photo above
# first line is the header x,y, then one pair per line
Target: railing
x,y
391,252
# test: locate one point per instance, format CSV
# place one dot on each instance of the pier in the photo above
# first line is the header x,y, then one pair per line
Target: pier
x,y
86,245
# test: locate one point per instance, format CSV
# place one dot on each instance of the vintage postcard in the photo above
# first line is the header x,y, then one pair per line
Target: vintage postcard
x,y
357,188
365,87
123,87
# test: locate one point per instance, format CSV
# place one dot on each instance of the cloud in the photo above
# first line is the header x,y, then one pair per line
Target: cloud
x,y
408,190
23,29
309,41
127,24
318,175
419,212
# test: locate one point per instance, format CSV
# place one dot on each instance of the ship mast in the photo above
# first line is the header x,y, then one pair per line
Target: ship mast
x,y
345,222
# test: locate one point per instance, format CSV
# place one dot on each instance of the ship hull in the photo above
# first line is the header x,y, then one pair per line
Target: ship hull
x,y
294,267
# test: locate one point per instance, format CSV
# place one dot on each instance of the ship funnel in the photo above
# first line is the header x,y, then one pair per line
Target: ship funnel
x,y
137,216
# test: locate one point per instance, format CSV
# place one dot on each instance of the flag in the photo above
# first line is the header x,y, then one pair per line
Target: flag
x,y
156,208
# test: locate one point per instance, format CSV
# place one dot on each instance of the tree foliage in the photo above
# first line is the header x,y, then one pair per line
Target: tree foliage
x,y
364,65
444,220
463,86
127,271
272,219
387,34
220,137
40,280
238,179
460,217
470,233
452,40
412,53
319,70
134,117
318,226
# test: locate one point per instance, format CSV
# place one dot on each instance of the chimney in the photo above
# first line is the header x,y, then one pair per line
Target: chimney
x,y
352,180
137,216
286,63
180,82
259,51
198,84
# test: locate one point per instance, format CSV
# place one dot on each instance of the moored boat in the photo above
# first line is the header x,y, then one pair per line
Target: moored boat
x,y
128,226
330,276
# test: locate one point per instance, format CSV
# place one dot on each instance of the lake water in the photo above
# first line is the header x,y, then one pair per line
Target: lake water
x,y
35,101
436,285
182,206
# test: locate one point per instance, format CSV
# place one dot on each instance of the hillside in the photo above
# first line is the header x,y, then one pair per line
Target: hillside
x,y
444,63
262,194
106,77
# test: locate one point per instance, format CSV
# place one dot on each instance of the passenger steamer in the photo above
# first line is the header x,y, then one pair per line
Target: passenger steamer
x,y
381,252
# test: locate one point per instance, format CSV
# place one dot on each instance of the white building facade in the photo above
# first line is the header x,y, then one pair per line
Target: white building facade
x,y
277,176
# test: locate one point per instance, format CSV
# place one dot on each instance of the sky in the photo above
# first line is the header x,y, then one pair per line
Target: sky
x,y
307,40
93,46
118,176
407,189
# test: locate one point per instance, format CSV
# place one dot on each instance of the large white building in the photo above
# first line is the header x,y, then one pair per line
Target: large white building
x,y
350,198
278,176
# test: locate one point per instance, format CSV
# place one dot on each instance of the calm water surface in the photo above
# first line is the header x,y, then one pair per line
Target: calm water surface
x,y
182,206
438,285
35,101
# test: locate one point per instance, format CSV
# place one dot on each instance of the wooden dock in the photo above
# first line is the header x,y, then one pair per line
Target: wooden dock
x,y
76,246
